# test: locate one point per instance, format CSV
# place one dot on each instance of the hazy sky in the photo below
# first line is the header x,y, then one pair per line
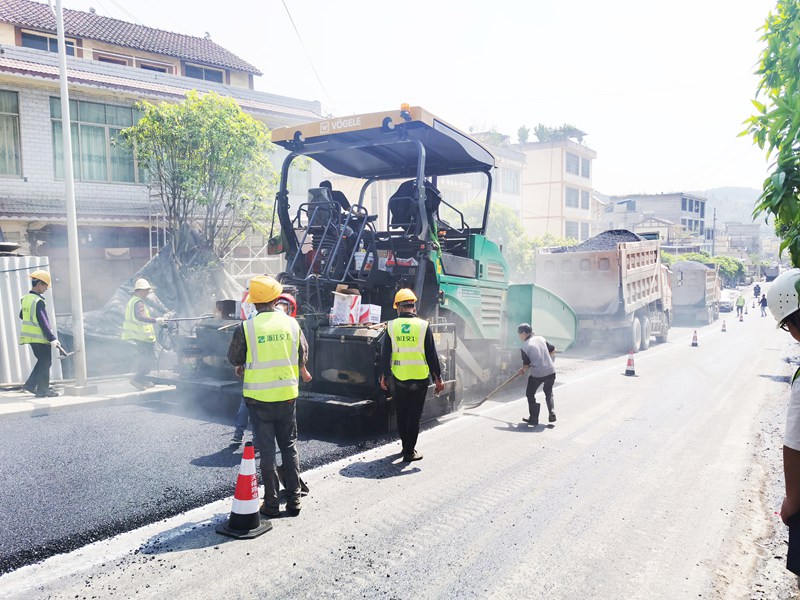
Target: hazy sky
x,y
661,88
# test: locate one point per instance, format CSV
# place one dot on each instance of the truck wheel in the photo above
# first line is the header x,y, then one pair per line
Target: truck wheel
x,y
662,336
647,331
631,337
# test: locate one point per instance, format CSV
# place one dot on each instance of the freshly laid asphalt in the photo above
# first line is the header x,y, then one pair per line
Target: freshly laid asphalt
x,y
75,476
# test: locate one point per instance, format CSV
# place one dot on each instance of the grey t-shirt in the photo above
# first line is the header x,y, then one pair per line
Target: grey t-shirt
x,y
538,354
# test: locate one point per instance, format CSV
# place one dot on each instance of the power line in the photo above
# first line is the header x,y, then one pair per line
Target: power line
x,y
125,11
308,57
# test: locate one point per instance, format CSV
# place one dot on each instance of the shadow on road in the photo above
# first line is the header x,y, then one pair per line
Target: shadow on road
x,y
512,426
777,378
230,456
381,468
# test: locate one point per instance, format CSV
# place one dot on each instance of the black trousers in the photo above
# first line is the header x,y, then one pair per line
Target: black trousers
x,y
409,400
530,393
39,379
277,421
146,353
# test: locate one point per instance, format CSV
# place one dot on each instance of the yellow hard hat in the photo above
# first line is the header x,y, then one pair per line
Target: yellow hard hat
x,y
142,284
263,289
404,295
41,276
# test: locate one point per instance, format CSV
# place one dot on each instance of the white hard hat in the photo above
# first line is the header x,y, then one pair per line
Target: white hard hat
x,y
142,284
783,298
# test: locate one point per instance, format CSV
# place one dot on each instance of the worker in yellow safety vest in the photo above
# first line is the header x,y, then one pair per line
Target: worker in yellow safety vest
x,y
138,328
408,360
269,351
37,332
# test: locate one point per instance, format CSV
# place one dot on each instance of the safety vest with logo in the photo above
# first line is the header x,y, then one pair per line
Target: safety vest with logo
x,y
271,373
133,328
31,332
408,348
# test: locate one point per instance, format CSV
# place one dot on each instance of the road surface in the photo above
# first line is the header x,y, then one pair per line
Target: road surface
x,y
655,486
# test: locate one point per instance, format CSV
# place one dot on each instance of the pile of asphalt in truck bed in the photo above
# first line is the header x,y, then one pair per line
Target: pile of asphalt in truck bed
x,y
608,240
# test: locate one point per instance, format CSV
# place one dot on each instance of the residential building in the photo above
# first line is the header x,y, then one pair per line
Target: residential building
x,y
680,208
111,65
557,189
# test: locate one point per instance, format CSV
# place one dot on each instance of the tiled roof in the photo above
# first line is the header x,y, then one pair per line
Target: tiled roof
x,y
105,29
88,210
149,84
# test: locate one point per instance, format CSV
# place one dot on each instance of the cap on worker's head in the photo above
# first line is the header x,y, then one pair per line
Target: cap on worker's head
x,y
783,298
525,328
142,284
289,299
263,289
41,275
403,296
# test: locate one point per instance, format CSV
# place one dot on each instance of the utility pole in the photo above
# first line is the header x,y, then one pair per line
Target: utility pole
x,y
76,295
714,233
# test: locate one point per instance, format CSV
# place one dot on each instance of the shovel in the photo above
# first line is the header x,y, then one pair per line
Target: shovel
x,y
494,391
62,353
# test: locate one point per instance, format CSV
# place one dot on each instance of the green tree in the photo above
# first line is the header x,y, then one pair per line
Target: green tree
x,y
776,124
554,134
523,133
207,162
731,270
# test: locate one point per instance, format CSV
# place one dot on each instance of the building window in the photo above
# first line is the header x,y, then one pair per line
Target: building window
x,y
510,181
111,60
572,199
205,73
156,68
9,134
96,155
631,205
584,200
573,163
571,229
586,168
702,210
584,231
683,204
40,41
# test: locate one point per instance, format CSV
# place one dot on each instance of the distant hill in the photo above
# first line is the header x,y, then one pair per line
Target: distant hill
x,y
732,204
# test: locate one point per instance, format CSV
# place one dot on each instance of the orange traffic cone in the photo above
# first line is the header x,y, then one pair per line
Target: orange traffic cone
x,y
245,521
724,330
745,309
630,371
754,303
694,339
741,317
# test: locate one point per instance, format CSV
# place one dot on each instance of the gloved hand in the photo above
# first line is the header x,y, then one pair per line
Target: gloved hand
x,y
161,321
54,343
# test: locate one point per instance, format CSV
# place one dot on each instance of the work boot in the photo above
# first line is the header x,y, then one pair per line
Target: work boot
x,y
29,388
414,455
530,421
270,513
552,418
293,508
237,438
51,393
138,385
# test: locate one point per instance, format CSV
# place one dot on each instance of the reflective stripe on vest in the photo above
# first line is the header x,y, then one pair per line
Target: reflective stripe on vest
x,y
31,332
133,328
407,335
271,373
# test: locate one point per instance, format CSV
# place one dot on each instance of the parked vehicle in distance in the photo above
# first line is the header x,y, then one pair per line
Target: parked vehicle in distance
x,y
726,300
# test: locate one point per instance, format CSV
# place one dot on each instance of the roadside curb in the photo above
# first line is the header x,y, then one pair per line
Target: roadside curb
x,y
19,405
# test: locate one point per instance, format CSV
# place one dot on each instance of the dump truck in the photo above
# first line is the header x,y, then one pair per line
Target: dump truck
x,y
345,262
771,272
695,291
616,284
